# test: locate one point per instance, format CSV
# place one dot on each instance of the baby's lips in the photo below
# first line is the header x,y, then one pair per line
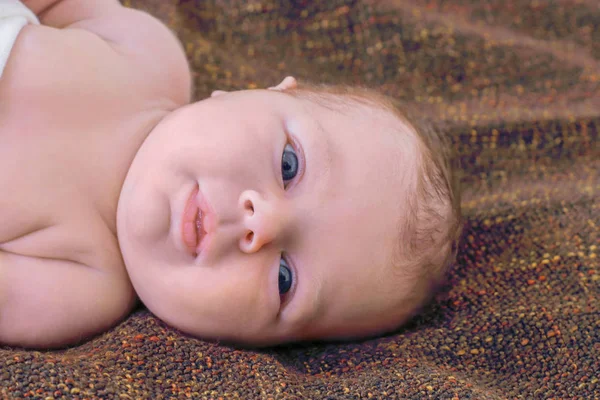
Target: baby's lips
x,y
189,230
200,231
204,222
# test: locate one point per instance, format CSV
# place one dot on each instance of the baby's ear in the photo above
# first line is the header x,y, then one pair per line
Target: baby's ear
x,y
289,82
216,93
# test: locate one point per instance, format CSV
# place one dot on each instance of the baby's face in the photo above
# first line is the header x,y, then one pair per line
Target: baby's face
x,y
224,240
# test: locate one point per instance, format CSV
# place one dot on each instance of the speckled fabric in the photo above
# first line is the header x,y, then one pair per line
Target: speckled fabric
x,y
517,85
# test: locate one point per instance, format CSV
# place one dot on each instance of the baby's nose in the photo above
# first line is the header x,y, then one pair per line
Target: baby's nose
x,y
262,221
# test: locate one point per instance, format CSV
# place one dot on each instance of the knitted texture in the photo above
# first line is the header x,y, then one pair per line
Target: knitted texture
x,y
516,85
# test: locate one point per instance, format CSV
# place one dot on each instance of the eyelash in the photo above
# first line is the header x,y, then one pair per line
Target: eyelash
x,y
301,163
284,298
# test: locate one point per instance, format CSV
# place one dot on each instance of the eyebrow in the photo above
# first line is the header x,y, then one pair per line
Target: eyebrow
x,y
328,161
311,303
325,144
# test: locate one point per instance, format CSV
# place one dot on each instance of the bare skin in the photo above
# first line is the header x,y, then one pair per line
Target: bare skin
x,y
77,102
211,222
104,165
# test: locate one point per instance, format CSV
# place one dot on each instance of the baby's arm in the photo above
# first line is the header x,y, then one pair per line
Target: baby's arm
x,y
46,302
62,13
150,47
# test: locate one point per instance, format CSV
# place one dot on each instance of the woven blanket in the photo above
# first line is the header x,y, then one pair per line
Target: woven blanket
x,y
516,83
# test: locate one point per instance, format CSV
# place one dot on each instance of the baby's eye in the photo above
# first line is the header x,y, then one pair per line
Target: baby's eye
x,y
289,163
285,277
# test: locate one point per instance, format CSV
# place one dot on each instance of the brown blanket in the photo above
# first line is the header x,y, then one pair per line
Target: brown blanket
x,y
518,84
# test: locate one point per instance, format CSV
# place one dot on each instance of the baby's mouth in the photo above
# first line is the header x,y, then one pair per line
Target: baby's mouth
x,y
192,231
200,232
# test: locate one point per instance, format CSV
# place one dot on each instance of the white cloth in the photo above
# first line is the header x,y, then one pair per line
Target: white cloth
x,y
14,15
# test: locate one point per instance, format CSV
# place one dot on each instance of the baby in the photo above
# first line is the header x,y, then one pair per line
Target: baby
x,y
258,216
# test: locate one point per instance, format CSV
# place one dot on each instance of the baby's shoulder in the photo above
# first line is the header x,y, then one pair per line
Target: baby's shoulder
x,y
114,67
148,46
121,53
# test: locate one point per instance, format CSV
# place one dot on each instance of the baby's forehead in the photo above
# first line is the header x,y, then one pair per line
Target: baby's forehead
x,y
337,100
366,119
364,105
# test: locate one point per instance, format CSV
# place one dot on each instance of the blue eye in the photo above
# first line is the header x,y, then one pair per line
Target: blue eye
x,y
285,277
289,163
